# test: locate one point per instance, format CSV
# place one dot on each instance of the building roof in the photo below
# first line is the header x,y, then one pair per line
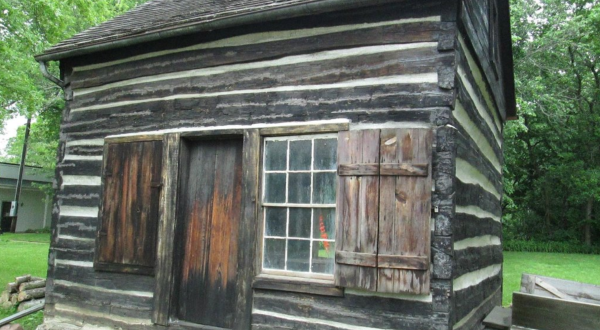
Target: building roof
x,y
158,19
31,173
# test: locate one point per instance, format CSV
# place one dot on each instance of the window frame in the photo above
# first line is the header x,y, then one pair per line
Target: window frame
x,y
291,274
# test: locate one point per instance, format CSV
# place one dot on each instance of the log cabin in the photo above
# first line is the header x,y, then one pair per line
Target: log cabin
x,y
282,164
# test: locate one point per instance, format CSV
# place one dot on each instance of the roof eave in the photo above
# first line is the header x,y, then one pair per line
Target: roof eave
x,y
314,7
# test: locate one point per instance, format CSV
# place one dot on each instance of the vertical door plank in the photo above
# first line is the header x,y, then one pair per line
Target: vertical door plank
x,y
212,210
404,226
357,209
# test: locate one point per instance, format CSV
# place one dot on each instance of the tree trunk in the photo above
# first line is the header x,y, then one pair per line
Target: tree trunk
x,y
588,220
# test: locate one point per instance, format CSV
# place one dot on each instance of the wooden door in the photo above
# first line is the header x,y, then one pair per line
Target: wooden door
x,y
209,217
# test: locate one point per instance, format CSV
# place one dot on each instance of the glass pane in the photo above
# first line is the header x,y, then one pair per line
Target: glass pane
x,y
275,220
323,257
325,154
275,155
274,253
299,223
324,224
325,186
299,188
275,188
298,255
300,155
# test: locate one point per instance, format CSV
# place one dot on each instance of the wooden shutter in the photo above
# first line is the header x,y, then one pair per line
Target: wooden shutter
x,y
132,180
384,210
405,211
358,211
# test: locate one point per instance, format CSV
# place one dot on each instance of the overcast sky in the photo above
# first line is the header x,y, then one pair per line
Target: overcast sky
x,y
10,130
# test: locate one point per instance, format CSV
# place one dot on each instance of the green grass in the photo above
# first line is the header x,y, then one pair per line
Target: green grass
x,y
576,267
22,254
25,237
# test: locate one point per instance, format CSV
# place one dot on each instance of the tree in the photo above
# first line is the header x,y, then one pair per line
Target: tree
x,y
552,162
27,27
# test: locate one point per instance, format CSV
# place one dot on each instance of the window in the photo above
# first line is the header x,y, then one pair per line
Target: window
x,y
130,198
299,200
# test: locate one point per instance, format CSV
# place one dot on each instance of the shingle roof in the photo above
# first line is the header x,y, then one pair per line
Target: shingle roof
x,y
165,15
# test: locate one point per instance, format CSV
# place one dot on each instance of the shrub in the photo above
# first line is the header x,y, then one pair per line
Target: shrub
x,y
552,247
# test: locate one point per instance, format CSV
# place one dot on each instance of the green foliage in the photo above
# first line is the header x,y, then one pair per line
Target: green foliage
x,y
549,247
552,161
573,267
27,27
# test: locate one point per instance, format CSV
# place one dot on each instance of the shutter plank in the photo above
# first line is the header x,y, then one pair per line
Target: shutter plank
x,y
405,212
357,210
127,239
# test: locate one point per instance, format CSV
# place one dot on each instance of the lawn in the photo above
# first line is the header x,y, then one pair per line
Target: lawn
x,y
22,254
576,267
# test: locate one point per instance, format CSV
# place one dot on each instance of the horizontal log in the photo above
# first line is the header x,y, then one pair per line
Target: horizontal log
x,y
468,299
285,284
202,58
12,287
355,310
308,71
22,279
31,294
32,285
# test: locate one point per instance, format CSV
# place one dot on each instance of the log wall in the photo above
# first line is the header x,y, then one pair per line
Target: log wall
x,y
376,65
477,228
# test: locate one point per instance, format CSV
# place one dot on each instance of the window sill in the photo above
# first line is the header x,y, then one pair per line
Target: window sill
x,y
295,284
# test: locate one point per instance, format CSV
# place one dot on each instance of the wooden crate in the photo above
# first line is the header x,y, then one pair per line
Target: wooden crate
x,y
546,303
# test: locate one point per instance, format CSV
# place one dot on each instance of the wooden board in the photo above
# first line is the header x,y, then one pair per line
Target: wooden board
x,y
358,212
132,182
559,288
210,212
543,313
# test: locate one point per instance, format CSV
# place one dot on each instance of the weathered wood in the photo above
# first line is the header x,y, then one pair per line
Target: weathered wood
x,y
32,285
538,312
12,287
405,210
31,294
166,229
358,169
195,59
471,259
249,224
356,259
564,289
357,208
134,138
210,212
22,279
499,318
473,16
304,129
471,298
281,283
473,319
403,262
132,182
355,310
